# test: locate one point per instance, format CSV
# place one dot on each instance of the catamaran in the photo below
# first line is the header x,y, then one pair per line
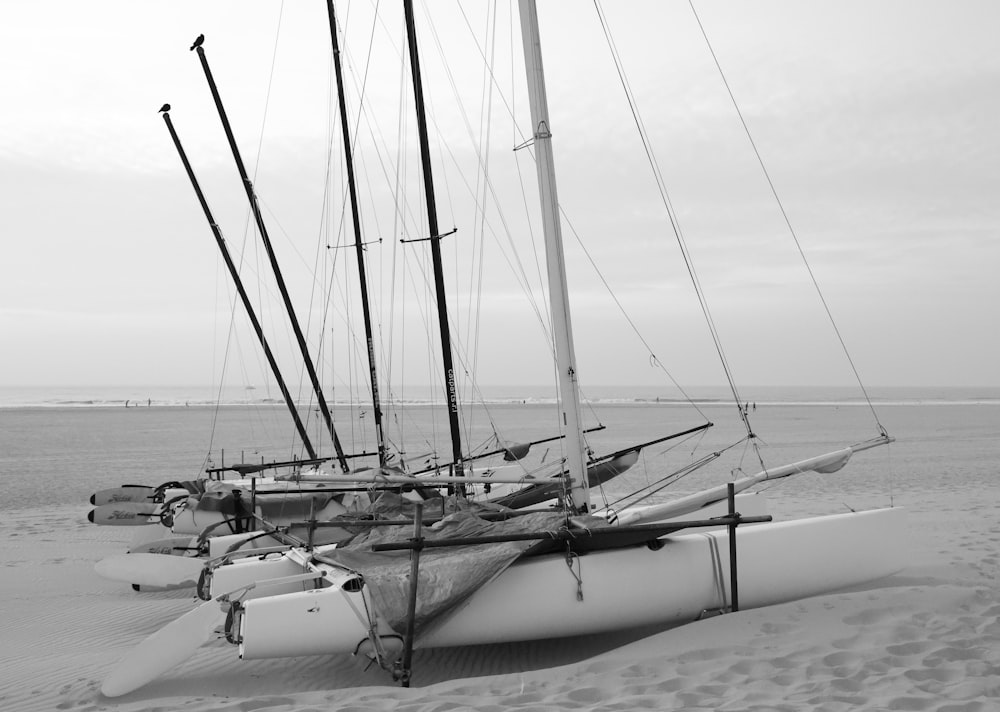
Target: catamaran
x,y
411,577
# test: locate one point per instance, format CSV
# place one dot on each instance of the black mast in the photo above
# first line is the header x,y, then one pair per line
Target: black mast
x,y
435,237
239,284
251,196
358,244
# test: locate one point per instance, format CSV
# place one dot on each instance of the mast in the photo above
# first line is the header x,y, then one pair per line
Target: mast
x,y
258,217
435,238
239,285
358,244
555,261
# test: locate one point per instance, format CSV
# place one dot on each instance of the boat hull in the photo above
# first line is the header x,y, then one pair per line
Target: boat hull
x,y
537,597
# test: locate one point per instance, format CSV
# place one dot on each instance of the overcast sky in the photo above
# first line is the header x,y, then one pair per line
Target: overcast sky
x,y
879,123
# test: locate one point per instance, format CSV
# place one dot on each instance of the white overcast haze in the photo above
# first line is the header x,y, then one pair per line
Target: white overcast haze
x,y
879,124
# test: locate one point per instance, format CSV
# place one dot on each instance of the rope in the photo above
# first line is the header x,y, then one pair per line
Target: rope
x,y
572,558
719,576
675,224
788,222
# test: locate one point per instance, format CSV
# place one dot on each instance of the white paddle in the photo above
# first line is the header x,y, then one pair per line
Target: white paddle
x,y
159,570
167,647
125,493
125,514
177,641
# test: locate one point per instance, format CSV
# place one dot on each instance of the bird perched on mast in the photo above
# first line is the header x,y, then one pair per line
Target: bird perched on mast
x,y
165,107
197,42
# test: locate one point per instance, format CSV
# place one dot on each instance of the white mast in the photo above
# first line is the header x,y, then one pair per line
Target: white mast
x,y
569,395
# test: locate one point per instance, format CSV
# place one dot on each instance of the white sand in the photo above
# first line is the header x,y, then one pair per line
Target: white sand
x,y
925,639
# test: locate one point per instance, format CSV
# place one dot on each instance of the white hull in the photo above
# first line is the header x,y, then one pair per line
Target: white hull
x,y
240,572
622,588
191,520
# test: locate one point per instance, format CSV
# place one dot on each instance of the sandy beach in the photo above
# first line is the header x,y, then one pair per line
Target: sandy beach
x,y
773,247
927,638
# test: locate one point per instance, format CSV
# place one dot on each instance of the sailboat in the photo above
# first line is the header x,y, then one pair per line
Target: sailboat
x,y
469,576
200,507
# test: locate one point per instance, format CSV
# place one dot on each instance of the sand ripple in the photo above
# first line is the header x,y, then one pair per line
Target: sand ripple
x,y
927,639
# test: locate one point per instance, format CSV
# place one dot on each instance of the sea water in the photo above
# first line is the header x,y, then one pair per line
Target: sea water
x,y
57,446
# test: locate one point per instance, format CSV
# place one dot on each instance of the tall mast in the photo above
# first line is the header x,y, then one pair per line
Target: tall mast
x,y
258,217
239,285
358,243
569,394
435,238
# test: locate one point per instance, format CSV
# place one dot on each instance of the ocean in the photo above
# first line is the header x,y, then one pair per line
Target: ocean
x,y
57,446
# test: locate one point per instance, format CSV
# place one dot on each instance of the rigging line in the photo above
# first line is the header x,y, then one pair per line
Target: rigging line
x,y
641,495
398,271
633,498
576,235
787,220
332,284
543,315
233,344
489,66
517,267
267,94
483,165
516,130
483,185
310,269
222,375
664,194
375,129
621,307
362,89
486,130
326,285
459,352
256,167
519,139
393,177
507,230
442,145
459,346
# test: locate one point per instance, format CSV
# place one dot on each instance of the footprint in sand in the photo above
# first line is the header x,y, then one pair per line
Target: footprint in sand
x,y
602,666
917,647
524,699
673,684
992,612
749,668
587,695
866,618
848,685
636,670
845,643
777,628
912,704
840,659
937,675
952,653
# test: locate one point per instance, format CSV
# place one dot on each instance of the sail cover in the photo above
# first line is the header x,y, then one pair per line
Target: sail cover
x,y
447,576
